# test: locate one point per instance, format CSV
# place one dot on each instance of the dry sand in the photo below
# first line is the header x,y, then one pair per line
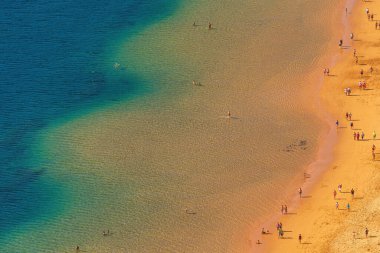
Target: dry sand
x,y
323,227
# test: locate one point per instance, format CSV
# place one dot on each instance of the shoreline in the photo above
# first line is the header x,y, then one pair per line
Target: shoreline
x,y
316,212
106,130
313,172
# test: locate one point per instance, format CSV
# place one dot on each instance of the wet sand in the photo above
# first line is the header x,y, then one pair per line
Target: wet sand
x,y
325,228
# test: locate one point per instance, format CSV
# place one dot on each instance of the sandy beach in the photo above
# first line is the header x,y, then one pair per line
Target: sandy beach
x,y
329,224
169,170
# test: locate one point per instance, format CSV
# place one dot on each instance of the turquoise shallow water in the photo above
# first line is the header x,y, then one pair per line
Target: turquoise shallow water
x,y
54,63
98,159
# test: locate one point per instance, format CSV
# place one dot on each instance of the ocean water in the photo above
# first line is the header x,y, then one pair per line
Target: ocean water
x,y
139,150
53,64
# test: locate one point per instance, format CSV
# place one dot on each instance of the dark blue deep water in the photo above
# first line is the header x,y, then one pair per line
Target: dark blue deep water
x,y
52,64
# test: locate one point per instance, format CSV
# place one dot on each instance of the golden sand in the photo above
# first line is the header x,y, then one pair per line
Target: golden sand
x,y
323,227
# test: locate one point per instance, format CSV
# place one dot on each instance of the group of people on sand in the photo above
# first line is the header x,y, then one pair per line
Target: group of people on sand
x,y
264,232
284,209
369,16
340,191
348,116
280,230
357,136
347,91
362,85
377,25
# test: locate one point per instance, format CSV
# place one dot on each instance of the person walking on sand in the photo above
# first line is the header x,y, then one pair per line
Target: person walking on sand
x,y
351,36
362,136
357,136
337,123
361,72
352,193
340,43
366,232
336,205
376,25
286,209
356,60
300,238
351,124
348,206
347,115
354,52
354,136
300,192
350,116
334,193
282,209
373,152
209,26
340,187
374,135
